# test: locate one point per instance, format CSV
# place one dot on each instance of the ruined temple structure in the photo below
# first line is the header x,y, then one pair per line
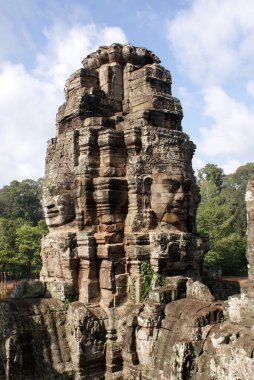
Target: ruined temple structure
x,y
122,293
119,188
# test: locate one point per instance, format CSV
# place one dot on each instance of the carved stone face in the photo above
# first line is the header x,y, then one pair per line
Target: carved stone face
x,y
171,198
59,209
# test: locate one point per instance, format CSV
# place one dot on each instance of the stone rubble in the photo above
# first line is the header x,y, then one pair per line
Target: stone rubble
x,y
120,201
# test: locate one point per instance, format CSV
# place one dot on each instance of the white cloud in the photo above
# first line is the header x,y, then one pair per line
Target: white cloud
x,y
250,88
231,166
197,164
232,131
185,96
27,108
213,42
213,39
29,100
68,46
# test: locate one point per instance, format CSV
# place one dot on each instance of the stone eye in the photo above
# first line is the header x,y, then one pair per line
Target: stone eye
x,y
187,186
173,186
61,201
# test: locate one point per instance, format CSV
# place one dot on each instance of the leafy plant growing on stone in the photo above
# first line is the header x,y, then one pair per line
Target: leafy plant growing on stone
x,y
147,275
149,280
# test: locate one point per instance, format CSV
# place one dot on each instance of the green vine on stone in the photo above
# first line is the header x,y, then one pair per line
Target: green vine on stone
x,y
147,275
66,303
149,280
158,280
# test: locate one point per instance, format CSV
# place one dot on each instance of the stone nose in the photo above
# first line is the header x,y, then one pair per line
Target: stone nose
x,y
49,203
179,195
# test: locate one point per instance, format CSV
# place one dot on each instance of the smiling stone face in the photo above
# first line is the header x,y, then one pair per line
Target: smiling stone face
x,y
171,199
59,209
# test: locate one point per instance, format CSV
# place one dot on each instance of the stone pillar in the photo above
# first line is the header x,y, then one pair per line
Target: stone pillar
x,y
13,358
135,282
112,153
250,227
111,82
113,350
88,278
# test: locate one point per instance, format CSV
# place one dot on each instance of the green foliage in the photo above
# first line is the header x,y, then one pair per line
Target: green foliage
x,y
234,194
21,228
28,246
212,174
222,214
146,280
22,200
149,280
158,280
8,248
66,303
213,258
233,248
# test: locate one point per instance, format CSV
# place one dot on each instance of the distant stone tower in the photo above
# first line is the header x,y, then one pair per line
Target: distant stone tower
x,y
119,187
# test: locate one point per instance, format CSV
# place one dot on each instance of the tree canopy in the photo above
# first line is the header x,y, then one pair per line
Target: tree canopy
x,y
222,214
22,200
21,228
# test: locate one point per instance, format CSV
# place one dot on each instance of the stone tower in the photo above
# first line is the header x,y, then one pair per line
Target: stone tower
x,y
120,199
119,188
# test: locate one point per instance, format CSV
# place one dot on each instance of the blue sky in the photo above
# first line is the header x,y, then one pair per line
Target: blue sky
x,y
208,45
